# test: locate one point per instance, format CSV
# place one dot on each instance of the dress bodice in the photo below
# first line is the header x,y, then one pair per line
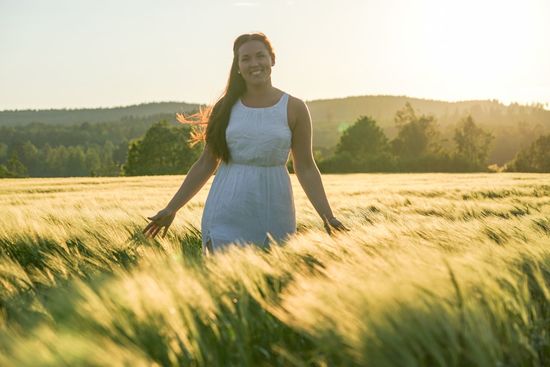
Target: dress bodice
x,y
259,136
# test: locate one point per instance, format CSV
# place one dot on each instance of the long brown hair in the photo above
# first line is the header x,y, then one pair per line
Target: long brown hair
x,y
236,86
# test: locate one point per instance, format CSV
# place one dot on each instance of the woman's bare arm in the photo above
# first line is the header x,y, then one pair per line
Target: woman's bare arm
x,y
304,165
195,179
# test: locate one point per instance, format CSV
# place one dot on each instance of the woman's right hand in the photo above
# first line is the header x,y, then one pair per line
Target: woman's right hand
x,y
162,219
333,223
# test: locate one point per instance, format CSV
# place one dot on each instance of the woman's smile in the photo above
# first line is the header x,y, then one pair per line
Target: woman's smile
x,y
256,72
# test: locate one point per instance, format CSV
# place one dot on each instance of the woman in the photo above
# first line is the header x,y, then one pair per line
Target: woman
x,y
251,131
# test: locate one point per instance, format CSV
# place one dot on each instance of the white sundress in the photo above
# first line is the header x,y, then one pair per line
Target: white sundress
x,y
251,196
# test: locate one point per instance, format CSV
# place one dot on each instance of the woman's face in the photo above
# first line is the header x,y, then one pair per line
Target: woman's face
x,y
254,62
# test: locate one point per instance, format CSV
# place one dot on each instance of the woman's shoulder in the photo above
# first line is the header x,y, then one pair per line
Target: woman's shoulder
x,y
295,102
297,110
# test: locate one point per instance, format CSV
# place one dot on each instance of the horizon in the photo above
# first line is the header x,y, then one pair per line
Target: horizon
x,y
545,106
80,55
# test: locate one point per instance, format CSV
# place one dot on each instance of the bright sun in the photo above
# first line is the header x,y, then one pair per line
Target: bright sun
x,y
486,46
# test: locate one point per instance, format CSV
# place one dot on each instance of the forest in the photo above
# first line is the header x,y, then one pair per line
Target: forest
x,y
355,134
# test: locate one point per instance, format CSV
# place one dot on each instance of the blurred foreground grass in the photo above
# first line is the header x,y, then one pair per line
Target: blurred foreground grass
x,y
437,270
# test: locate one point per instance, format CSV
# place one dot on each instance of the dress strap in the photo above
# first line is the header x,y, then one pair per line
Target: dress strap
x,y
284,100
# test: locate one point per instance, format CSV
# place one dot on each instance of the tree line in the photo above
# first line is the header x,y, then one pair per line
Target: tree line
x,y
418,146
163,148
514,126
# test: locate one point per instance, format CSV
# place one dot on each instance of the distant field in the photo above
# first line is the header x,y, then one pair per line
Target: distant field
x,y
437,270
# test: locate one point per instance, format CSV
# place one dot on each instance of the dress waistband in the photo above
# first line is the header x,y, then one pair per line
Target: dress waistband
x,y
254,165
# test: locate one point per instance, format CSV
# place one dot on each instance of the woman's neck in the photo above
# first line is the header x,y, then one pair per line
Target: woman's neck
x,y
259,91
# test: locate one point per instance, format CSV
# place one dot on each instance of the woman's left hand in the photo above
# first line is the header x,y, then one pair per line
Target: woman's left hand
x,y
162,219
333,223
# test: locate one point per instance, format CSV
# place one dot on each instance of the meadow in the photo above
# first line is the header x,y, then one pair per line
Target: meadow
x,y
436,270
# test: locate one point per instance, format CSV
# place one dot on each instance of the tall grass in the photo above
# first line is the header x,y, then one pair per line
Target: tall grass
x,y
437,270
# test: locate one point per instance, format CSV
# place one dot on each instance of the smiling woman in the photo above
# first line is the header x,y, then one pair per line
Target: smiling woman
x,y
251,131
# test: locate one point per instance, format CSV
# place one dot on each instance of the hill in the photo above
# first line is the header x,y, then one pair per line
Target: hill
x,y
91,115
514,126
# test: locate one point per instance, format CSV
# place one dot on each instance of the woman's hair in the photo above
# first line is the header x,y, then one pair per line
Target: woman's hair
x,y
236,86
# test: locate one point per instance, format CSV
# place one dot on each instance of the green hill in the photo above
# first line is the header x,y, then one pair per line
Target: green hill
x,y
514,126
91,115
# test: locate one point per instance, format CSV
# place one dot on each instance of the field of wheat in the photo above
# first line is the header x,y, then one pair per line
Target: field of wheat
x,y
436,270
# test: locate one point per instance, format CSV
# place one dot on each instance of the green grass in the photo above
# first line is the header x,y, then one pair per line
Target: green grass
x,y
437,270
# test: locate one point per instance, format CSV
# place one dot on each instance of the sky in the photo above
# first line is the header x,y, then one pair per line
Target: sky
x,y
104,53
